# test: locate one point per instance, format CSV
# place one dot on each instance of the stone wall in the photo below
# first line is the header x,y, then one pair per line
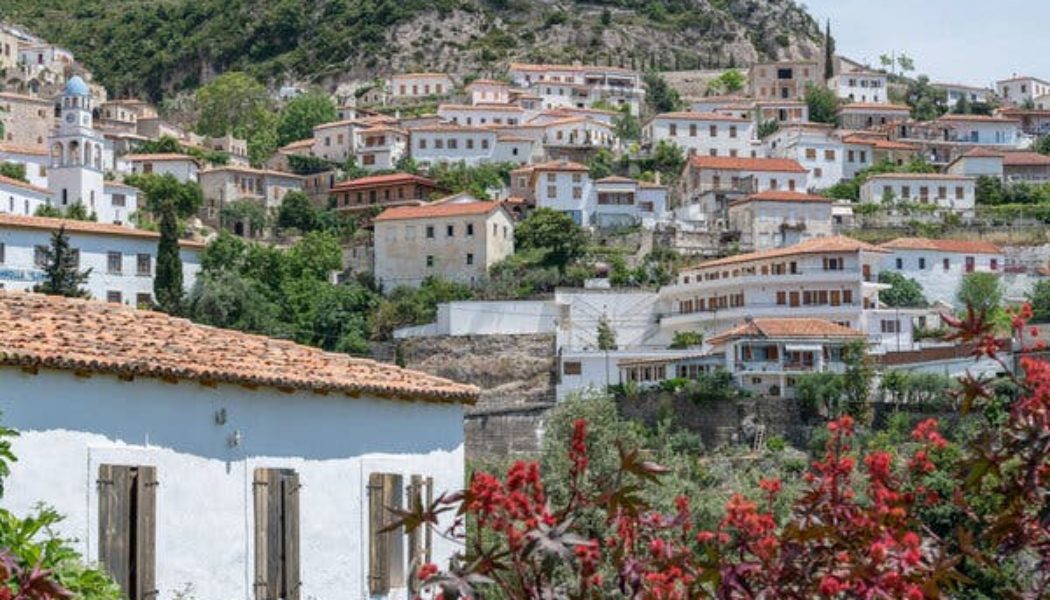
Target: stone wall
x,y
516,374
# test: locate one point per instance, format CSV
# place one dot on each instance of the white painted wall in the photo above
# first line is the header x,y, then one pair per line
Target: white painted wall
x,y
910,189
205,513
487,318
18,200
570,192
731,137
928,268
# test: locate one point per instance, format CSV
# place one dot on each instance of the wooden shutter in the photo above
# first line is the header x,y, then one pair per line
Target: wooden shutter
x,y
290,492
146,533
114,494
420,493
261,492
393,496
378,569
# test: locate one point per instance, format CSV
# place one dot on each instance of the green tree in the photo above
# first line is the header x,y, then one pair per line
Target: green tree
x,y
13,171
248,213
165,145
46,210
829,52
62,274
1039,298
660,96
860,373
823,104
729,82
668,158
301,114
606,336
554,233
162,191
982,291
601,164
78,212
297,212
903,292
1042,144
820,393
686,339
626,126
231,103
767,128
926,102
989,190
167,281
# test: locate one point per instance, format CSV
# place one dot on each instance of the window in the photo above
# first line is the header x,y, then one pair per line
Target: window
x,y
552,192
811,154
959,193
450,230
947,263
672,129
470,259
890,326
572,368
143,301
119,200
430,260
993,264
818,172
40,256
113,262
422,143
430,232
127,517
2,247
114,297
276,494
829,155
900,263
713,130
692,130
470,229
732,131
577,193
922,263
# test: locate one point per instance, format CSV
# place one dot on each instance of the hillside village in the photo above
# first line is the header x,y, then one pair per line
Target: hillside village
x,y
590,226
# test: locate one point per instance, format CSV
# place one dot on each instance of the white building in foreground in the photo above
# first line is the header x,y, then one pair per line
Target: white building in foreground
x,y
176,461
123,261
947,193
939,266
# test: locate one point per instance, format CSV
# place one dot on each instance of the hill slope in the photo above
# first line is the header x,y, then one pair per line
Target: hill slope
x,y
153,47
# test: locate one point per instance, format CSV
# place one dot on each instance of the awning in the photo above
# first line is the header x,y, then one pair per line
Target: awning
x,y
803,348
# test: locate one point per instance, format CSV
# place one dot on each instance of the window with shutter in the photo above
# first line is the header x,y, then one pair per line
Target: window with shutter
x,y
127,517
386,568
276,494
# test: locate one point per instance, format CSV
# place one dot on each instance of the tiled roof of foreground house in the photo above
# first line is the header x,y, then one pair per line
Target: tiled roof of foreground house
x,y
837,243
785,165
89,336
86,227
438,209
959,246
787,328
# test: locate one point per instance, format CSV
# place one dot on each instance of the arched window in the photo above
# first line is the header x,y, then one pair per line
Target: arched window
x,y
74,153
58,154
98,157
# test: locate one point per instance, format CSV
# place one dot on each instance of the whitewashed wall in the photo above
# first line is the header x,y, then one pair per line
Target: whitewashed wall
x,y
205,513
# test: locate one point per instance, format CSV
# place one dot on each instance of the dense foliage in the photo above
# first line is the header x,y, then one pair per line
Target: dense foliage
x,y
903,292
554,234
62,274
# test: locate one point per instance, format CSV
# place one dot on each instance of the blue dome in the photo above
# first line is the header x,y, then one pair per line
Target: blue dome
x,y
76,87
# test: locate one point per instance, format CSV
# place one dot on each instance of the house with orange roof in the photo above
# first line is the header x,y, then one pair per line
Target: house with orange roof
x,y
702,134
709,183
36,161
121,260
222,186
774,219
863,150
417,86
1026,166
865,86
379,147
939,266
978,162
382,191
482,114
955,92
27,120
18,197
862,116
488,91
815,146
1021,88
183,167
457,239
580,86
469,144
253,467
945,193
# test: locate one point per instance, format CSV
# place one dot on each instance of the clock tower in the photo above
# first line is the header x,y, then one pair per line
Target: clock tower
x,y
77,152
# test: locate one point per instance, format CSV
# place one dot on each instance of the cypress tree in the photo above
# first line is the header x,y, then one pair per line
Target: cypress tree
x,y
62,278
829,52
167,284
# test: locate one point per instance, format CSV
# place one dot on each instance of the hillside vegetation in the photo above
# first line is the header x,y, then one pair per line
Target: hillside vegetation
x,y
153,48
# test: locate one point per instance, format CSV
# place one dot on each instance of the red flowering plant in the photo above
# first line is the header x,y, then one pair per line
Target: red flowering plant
x,y
857,530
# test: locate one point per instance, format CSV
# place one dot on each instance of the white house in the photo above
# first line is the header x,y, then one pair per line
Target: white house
x,y
488,91
183,167
956,92
774,219
416,86
950,193
185,457
978,162
1018,90
709,183
379,147
472,145
122,260
580,86
982,129
481,114
871,115
21,198
815,147
940,265
566,187
457,239
78,154
35,159
334,141
702,134
860,86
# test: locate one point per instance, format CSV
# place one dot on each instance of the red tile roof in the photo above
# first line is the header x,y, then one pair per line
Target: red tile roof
x,y
698,116
955,246
20,149
21,184
87,227
615,179
161,157
979,152
549,67
782,165
438,210
1025,159
875,107
818,245
781,196
975,119
514,108
90,336
787,328
559,165
379,180
916,176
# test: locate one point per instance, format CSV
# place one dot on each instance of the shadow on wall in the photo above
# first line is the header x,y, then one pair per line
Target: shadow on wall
x,y
226,422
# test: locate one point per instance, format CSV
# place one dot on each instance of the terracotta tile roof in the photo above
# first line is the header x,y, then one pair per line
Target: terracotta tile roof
x,y
615,179
697,116
787,328
488,82
574,68
1025,159
878,143
24,98
251,171
514,108
1022,78
979,152
781,196
975,119
874,106
421,75
576,109
21,184
819,245
437,210
956,246
560,165
446,127
921,176
162,157
88,227
21,149
91,336
378,180
780,165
